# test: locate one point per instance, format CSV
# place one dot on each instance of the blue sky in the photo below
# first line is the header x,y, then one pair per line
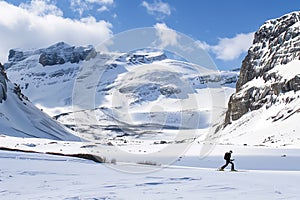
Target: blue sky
x,y
224,28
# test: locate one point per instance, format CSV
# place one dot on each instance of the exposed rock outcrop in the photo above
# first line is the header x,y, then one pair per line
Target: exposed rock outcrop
x,y
3,86
59,53
276,43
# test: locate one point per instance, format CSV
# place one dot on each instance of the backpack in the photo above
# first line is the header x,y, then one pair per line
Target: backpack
x,y
227,156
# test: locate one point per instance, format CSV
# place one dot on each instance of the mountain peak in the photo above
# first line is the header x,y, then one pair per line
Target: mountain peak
x,y
58,53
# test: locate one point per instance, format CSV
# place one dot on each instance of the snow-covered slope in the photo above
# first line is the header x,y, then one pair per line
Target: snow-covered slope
x,y
20,118
146,90
265,109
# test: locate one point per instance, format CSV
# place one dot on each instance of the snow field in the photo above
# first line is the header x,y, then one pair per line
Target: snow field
x,y
35,176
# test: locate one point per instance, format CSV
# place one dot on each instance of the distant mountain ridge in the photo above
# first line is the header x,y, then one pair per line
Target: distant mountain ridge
x,y
145,79
42,80
58,53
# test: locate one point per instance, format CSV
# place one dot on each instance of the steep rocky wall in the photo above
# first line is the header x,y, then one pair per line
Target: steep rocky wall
x,y
3,86
277,42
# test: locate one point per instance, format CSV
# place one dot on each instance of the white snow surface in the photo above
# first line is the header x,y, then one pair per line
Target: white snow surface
x,y
38,176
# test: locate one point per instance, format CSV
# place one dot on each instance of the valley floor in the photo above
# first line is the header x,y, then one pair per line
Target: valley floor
x,y
41,176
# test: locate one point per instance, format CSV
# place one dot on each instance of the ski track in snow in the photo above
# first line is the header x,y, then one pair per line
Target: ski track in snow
x,y
36,176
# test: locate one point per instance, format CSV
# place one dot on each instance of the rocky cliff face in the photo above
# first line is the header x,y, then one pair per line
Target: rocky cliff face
x,y
59,53
265,74
3,86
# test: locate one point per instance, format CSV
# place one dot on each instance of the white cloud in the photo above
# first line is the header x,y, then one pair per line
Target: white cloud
x,y
114,15
166,35
102,9
101,2
42,7
21,28
158,8
81,6
231,48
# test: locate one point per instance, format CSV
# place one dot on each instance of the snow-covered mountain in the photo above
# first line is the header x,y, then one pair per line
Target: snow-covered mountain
x,y
146,88
265,108
47,75
20,118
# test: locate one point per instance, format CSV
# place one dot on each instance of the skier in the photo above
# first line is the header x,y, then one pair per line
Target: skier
x,y
228,159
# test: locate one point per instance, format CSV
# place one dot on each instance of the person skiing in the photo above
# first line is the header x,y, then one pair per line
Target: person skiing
x,y
228,159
